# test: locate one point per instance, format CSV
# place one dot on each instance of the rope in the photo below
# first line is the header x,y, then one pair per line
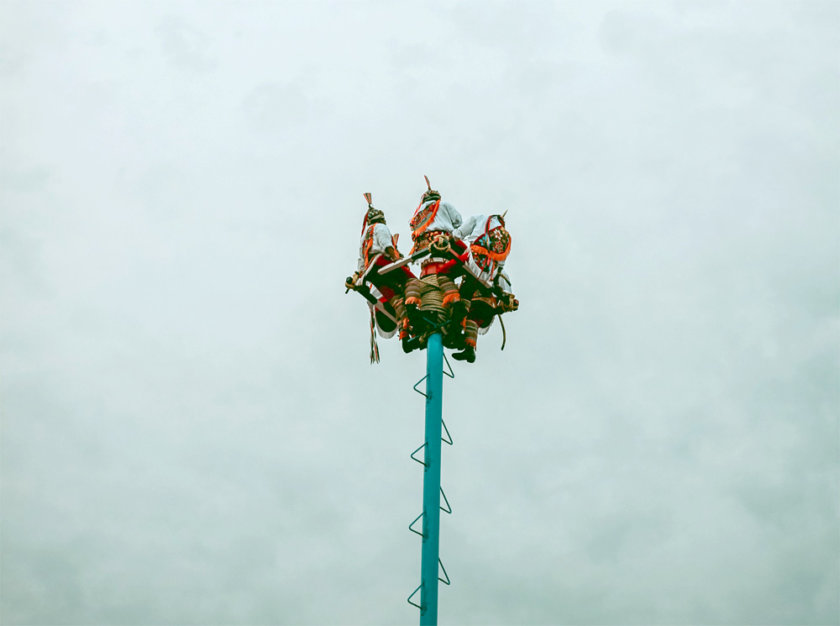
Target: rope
x,y
504,332
431,295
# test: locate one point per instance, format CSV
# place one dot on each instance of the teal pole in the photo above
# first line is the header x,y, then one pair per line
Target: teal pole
x,y
431,482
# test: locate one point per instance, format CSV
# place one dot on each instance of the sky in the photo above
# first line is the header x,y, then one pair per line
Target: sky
x,y
190,430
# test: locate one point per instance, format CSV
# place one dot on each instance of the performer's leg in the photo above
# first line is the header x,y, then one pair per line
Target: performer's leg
x,y
449,289
413,290
399,310
468,287
470,339
457,306
408,313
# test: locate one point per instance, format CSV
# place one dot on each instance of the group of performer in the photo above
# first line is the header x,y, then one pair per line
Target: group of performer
x,y
462,286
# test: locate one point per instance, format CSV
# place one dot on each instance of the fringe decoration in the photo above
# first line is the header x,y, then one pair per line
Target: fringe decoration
x,y
374,348
451,297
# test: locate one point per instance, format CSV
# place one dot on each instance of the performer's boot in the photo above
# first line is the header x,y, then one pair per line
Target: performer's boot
x,y
467,354
453,335
470,337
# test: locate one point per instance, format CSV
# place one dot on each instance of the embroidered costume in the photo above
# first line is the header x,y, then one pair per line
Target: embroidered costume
x,y
377,249
432,227
462,286
489,248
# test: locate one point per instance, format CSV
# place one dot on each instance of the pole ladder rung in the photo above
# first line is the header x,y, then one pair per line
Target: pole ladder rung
x,y
414,530
413,593
448,508
423,463
450,373
448,438
422,393
445,580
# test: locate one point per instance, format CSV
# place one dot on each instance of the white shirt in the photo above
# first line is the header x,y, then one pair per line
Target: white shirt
x,y
447,218
381,240
474,227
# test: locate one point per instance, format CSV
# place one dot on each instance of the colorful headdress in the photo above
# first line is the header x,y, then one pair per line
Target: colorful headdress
x,y
429,194
373,214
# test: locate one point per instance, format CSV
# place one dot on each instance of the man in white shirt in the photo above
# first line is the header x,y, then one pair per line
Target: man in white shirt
x,y
377,249
489,248
434,220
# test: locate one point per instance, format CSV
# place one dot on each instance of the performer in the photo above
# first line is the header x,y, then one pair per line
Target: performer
x,y
377,249
485,286
432,225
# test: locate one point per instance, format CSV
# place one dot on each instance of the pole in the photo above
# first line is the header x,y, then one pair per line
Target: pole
x,y
431,482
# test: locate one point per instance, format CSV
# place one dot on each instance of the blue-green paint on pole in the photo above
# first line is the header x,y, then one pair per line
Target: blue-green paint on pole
x,y
431,482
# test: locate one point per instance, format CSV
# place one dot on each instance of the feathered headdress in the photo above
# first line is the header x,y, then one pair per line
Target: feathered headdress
x,y
373,214
429,194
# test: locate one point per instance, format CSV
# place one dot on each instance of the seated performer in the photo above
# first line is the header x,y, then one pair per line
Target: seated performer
x,y
432,226
485,286
377,249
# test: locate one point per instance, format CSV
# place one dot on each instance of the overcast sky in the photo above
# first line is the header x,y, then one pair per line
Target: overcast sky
x,y
191,432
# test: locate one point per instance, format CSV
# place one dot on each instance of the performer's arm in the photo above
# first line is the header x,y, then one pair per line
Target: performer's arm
x,y
454,217
383,241
466,229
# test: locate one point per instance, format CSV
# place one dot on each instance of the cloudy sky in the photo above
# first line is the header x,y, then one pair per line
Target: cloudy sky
x,y
191,432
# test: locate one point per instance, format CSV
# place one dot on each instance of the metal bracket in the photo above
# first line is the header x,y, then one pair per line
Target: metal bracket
x,y
422,393
448,438
411,525
423,463
448,508
447,581
451,372
412,595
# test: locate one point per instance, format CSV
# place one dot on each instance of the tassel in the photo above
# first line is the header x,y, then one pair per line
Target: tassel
x,y
374,348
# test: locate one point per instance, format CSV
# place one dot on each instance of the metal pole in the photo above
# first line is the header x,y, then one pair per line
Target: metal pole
x,y
431,483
